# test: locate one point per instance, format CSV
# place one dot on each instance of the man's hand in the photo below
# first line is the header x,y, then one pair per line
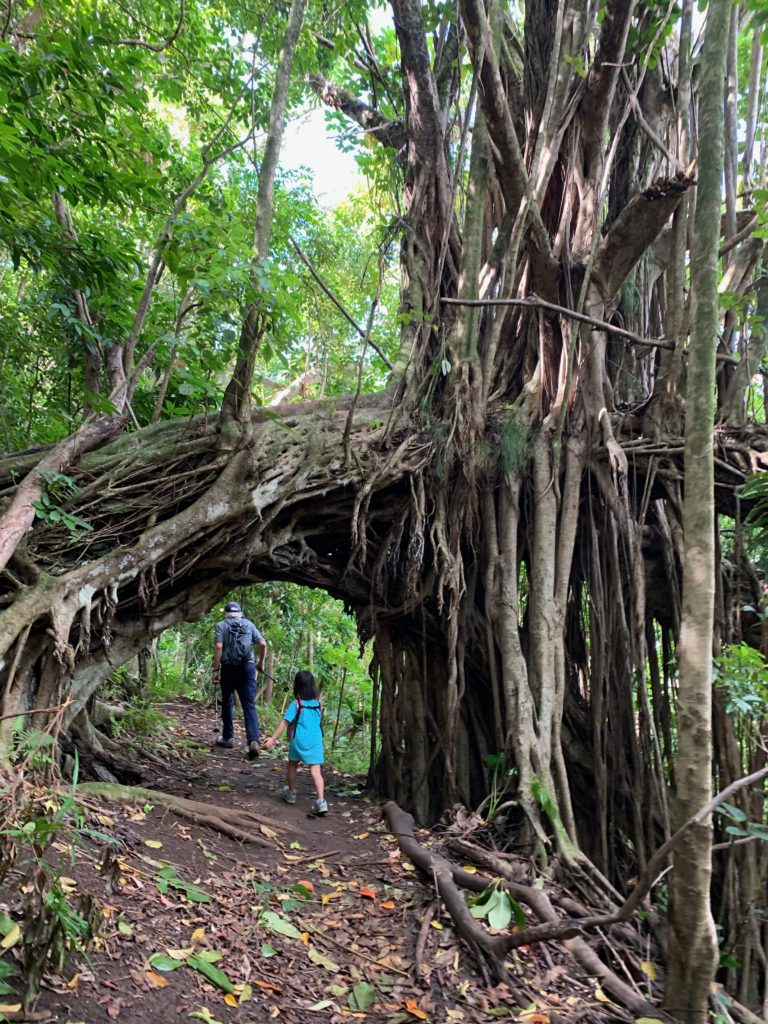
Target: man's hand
x,y
215,674
260,667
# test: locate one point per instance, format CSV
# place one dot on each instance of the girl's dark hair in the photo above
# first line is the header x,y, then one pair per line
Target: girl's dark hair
x,y
304,686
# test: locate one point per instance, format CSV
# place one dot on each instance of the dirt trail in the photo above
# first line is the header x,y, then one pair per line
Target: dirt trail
x,y
320,924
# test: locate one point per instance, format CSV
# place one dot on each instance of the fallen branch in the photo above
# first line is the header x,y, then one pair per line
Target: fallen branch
x,y
230,821
421,942
447,877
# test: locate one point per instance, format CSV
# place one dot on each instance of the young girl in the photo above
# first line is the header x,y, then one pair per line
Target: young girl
x,y
306,738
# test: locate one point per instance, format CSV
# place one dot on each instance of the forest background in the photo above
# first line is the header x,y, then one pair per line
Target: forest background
x,y
506,402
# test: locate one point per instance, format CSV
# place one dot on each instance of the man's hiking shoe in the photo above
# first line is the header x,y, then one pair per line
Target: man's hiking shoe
x,y
253,750
225,743
289,795
320,807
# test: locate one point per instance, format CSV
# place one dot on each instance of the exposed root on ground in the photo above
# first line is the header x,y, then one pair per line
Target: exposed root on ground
x,y
491,950
230,821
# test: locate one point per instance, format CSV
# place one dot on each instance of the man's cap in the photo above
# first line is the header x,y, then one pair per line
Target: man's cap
x,y
233,606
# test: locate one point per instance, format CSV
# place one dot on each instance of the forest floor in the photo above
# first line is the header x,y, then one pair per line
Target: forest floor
x,y
326,922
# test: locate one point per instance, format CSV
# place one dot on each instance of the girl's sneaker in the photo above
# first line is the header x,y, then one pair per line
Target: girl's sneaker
x,y
289,795
319,806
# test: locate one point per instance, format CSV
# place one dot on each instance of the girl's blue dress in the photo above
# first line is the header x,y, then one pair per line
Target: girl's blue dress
x,y
307,742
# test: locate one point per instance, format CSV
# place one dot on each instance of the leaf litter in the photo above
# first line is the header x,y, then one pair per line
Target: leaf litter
x,y
208,924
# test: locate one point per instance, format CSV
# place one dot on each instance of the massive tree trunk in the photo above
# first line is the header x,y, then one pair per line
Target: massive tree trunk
x,y
505,516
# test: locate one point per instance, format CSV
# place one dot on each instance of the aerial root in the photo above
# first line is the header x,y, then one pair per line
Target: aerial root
x,y
491,950
229,821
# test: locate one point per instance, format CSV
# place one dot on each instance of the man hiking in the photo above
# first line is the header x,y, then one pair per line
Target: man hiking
x,y
235,667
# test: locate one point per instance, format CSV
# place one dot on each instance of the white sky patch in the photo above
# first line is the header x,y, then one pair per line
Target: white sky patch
x,y
306,143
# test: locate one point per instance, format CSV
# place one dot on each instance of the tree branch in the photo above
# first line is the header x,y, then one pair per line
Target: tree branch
x,y
348,316
388,133
157,47
635,229
534,300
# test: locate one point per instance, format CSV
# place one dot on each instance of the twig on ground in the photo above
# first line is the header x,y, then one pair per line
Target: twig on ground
x,y
421,941
323,937
310,856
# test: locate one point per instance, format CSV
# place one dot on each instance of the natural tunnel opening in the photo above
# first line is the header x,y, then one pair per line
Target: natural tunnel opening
x,y
304,628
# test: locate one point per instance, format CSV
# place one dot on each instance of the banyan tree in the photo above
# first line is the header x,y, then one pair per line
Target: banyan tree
x,y
504,514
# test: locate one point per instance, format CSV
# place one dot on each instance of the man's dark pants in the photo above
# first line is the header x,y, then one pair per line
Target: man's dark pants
x,y
239,679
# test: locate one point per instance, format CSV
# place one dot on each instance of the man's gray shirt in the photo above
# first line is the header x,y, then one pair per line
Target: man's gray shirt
x,y
222,629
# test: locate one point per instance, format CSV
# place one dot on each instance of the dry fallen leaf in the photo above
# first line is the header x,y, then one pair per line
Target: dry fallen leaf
x,y
266,985
230,1000
179,954
387,905
601,996
370,894
11,938
268,832
413,1007
155,844
648,969
155,980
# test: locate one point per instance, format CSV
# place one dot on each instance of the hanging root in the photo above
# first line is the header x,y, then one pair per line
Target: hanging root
x,y
230,821
491,950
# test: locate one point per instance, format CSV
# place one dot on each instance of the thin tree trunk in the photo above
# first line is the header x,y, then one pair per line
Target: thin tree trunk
x,y
338,709
236,406
692,941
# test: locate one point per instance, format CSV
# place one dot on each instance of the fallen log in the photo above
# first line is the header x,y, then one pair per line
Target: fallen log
x,y
230,821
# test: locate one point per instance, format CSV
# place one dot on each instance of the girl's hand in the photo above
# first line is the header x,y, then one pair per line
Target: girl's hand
x,y
269,744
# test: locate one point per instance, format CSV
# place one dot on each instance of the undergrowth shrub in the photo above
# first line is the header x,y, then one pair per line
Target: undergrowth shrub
x,y
43,919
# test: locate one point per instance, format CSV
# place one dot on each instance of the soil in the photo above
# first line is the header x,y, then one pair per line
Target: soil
x,y
321,924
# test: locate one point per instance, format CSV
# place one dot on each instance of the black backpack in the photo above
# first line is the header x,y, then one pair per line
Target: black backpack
x,y
293,726
238,644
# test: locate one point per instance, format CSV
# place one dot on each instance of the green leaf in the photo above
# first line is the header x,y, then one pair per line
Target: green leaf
x,y
276,923
161,962
211,956
362,996
267,950
205,1015
322,961
500,914
213,974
